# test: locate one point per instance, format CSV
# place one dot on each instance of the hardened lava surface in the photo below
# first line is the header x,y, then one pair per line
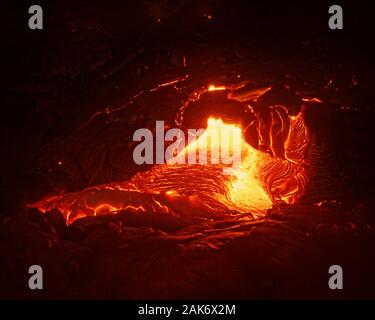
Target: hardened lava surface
x,y
186,232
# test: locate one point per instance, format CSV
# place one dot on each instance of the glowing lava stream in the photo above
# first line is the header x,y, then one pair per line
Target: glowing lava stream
x,y
244,191
260,181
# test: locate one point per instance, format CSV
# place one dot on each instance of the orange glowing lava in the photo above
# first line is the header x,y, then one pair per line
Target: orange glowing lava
x,y
260,180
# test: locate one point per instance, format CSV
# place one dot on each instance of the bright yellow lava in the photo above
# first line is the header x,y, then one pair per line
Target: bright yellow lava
x,y
223,144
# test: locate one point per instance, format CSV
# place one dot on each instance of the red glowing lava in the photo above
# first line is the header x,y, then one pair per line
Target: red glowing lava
x,y
263,178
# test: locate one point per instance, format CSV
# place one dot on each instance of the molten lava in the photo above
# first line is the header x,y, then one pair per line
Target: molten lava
x,y
260,180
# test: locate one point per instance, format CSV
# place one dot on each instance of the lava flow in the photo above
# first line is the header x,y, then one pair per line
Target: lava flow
x,y
263,178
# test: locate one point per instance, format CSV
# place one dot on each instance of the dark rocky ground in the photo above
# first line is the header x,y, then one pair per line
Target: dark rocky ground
x,y
92,57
